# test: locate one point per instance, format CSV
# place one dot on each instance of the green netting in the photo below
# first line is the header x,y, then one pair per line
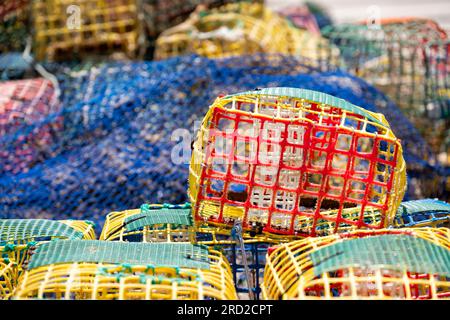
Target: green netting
x,y
311,95
150,217
397,252
28,229
418,206
94,251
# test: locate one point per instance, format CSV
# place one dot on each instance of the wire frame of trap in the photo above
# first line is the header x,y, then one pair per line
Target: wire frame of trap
x,y
70,30
376,264
81,270
238,29
293,163
392,56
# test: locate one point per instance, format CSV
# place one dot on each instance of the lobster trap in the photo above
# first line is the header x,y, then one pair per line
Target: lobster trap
x,y
102,270
71,30
383,264
290,163
238,29
173,223
19,237
438,92
423,213
150,223
408,60
392,56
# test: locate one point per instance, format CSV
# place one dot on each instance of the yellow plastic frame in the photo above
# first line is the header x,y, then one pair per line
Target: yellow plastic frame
x,y
289,272
81,281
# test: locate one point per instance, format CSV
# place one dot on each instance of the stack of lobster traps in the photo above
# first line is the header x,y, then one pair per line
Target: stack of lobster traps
x,y
313,172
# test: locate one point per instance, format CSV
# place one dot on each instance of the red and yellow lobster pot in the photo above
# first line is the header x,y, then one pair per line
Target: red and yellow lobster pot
x,y
289,162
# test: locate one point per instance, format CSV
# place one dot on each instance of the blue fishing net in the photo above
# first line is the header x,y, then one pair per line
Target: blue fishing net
x,y
113,150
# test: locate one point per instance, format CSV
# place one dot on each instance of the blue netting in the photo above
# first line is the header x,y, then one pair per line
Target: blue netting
x,y
114,149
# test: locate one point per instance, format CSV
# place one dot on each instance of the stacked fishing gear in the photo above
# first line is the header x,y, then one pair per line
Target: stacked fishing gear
x,y
263,154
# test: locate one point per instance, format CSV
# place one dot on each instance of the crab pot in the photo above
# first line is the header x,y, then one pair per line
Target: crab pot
x,y
391,56
438,91
104,270
293,163
24,104
239,29
423,213
438,99
173,223
66,30
17,236
375,264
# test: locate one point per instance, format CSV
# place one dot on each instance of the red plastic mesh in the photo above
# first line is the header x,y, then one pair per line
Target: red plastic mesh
x,y
310,171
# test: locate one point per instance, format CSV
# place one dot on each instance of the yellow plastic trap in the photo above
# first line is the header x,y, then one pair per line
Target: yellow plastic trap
x,y
69,29
164,223
150,223
70,278
18,238
293,163
238,29
410,263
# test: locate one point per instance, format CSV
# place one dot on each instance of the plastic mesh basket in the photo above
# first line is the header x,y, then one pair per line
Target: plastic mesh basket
x,y
70,30
278,159
102,270
383,264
